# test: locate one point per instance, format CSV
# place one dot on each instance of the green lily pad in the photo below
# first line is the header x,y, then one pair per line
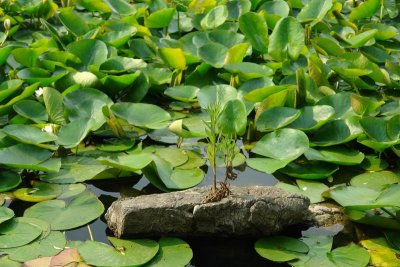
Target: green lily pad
x,y
87,103
141,115
335,154
174,178
89,51
337,132
364,198
350,255
375,180
313,117
372,217
132,162
72,134
280,248
160,18
233,119
266,165
276,117
49,246
214,18
309,169
311,189
124,253
38,192
195,160
213,54
74,170
282,144
24,156
5,214
212,95
61,215
249,70
183,93
255,29
6,262
174,156
32,110
116,145
16,233
9,180
374,163
172,252
30,135
71,190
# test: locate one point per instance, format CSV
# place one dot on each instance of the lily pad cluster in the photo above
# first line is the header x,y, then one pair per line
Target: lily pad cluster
x,y
105,89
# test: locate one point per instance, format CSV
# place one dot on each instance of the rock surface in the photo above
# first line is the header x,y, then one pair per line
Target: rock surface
x,y
248,211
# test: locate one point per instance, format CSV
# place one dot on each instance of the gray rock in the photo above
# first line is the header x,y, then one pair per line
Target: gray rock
x,y
248,211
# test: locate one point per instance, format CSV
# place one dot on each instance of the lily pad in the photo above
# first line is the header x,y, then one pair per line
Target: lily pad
x,y
132,162
38,192
380,251
141,115
276,117
335,154
32,110
282,144
9,180
30,135
183,93
311,189
48,246
375,180
16,233
309,169
175,157
172,252
5,214
125,253
266,165
364,198
337,132
280,248
24,156
63,216
75,169
313,117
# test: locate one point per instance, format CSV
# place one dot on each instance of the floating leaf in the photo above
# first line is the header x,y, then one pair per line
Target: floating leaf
x,y
313,117
141,115
16,233
172,252
47,246
283,144
32,110
275,118
287,39
62,215
5,214
309,170
9,180
266,165
375,180
255,29
311,189
365,10
160,18
335,154
132,162
125,253
38,192
280,248
214,18
75,169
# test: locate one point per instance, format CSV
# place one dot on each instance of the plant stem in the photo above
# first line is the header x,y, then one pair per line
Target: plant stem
x,y
90,232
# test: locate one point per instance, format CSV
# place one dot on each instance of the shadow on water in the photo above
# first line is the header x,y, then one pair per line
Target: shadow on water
x,y
207,252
